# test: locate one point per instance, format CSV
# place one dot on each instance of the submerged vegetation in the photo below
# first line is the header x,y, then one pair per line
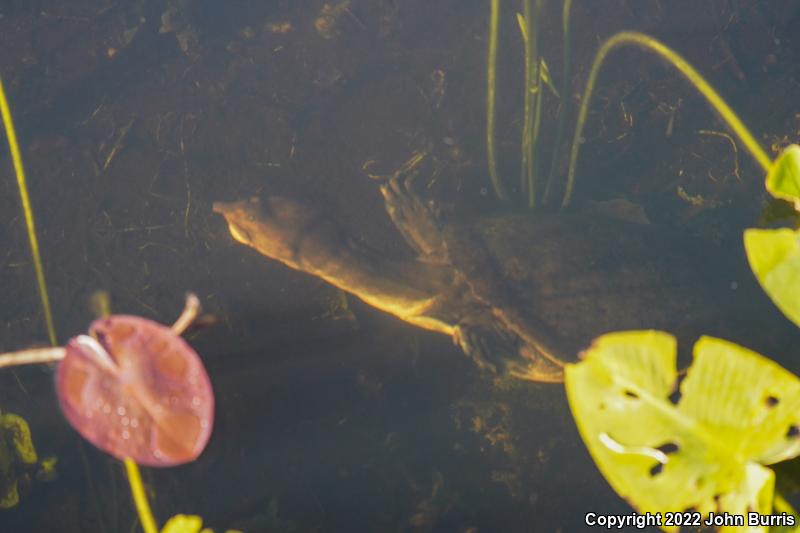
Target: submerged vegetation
x,y
532,106
713,426
85,356
27,211
702,439
774,254
491,88
537,76
16,452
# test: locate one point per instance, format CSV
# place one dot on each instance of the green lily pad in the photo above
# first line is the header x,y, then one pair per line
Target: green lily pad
x,y
182,523
783,178
702,447
774,256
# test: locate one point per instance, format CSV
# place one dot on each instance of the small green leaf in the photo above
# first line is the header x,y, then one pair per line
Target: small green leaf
x,y
183,523
703,449
523,27
546,78
47,469
774,256
783,178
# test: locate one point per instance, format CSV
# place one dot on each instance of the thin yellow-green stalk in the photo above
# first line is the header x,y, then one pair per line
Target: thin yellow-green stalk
x,y
525,22
694,78
533,176
27,211
491,83
134,478
529,163
566,97
529,27
139,497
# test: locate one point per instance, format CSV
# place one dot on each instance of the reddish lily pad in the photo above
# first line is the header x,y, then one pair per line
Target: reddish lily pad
x,y
136,389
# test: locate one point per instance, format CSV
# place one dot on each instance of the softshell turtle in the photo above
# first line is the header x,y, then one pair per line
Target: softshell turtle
x,y
520,293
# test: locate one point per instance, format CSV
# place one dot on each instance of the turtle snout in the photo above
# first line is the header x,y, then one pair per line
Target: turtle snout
x,y
237,215
240,234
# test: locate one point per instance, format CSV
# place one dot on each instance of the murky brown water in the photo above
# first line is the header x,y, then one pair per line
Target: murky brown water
x,y
136,116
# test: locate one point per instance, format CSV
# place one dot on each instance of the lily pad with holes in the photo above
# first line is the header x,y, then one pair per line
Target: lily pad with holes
x,y
700,443
774,256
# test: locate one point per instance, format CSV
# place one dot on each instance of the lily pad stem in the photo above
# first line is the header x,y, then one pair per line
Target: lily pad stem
x,y
694,78
139,497
35,356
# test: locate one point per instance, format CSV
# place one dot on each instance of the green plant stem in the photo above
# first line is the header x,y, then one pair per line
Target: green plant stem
x,y
139,497
491,83
781,505
525,25
694,78
27,211
566,97
533,176
529,26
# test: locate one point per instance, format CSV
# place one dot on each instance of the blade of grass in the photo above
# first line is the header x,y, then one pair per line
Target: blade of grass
x,y
547,81
529,28
525,144
533,177
16,157
491,83
566,99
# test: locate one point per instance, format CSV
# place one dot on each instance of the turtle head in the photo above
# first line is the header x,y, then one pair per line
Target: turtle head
x,y
272,226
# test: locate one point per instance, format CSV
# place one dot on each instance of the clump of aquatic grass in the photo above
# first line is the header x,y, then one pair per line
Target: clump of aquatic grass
x,y
774,256
537,76
178,523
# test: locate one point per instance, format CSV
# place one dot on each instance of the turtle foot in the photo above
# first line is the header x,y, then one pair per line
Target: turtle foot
x,y
477,344
535,367
415,219
492,351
